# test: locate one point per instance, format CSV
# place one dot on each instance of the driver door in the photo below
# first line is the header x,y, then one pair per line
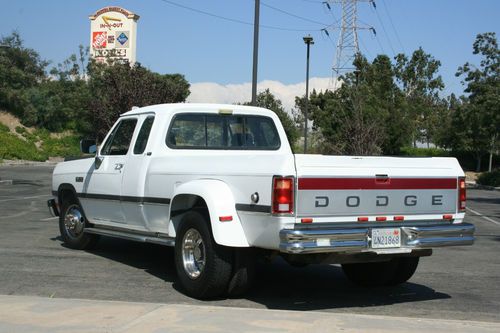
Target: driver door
x,y
102,189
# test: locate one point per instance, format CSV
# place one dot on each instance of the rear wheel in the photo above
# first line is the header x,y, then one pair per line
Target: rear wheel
x,y
72,223
405,269
371,274
203,267
387,273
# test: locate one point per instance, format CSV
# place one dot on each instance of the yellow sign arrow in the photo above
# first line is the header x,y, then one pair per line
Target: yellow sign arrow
x,y
107,19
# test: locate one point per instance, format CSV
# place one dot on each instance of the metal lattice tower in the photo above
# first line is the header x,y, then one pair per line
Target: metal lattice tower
x,y
347,44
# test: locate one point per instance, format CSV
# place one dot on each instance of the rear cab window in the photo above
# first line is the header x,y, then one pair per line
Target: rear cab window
x,y
227,132
143,136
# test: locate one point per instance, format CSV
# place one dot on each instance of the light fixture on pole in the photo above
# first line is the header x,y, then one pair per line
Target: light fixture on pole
x,y
308,40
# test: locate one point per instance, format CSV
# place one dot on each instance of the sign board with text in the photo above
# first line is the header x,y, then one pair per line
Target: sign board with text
x,y
113,35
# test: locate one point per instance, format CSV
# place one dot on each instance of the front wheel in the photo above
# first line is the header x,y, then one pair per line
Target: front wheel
x,y
72,225
203,267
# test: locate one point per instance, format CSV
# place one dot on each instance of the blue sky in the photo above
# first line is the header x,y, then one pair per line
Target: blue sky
x,y
208,49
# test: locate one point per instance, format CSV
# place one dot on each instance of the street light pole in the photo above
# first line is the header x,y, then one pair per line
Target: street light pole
x,y
255,51
308,40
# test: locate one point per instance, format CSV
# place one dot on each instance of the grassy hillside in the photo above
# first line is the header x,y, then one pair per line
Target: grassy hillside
x,y
23,143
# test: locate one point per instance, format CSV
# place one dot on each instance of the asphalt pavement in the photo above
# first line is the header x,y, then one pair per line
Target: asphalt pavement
x,y
456,283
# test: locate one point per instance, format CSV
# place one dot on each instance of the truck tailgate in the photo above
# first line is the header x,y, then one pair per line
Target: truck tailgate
x,y
349,186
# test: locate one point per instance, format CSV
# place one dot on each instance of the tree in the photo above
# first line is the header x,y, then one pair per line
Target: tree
x,y
478,123
20,69
117,87
419,80
363,116
266,99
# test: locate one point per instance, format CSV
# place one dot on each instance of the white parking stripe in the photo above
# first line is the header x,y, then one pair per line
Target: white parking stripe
x,y
50,218
27,198
484,217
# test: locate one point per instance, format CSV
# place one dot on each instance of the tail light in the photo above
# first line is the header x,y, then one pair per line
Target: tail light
x,y
462,198
283,195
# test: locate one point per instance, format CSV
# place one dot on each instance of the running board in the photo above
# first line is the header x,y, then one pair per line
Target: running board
x,y
160,240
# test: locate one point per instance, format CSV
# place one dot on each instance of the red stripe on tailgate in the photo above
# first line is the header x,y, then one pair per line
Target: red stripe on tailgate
x,y
377,184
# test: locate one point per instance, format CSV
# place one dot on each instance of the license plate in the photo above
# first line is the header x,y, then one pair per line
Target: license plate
x,y
386,238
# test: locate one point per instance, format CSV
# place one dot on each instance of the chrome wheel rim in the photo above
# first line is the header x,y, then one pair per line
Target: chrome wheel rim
x,y
193,253
74,223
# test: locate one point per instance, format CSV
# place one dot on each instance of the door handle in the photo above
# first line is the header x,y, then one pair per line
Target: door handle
x,y
118,166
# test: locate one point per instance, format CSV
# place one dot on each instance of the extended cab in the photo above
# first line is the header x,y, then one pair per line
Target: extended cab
x,y
220,183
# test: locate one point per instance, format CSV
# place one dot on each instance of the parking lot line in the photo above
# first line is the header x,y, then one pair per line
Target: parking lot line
x,y
50,218
484,217
26,198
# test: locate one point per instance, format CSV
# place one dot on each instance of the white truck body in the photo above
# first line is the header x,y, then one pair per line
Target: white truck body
x,y
337,200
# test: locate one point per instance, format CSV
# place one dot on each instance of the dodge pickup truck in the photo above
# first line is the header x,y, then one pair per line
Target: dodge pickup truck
x,y
221,184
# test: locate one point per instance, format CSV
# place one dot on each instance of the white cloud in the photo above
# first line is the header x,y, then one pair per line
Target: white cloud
x,y
210,92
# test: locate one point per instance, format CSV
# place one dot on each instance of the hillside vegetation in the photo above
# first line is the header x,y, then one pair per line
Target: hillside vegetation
x,y
27,143
75,99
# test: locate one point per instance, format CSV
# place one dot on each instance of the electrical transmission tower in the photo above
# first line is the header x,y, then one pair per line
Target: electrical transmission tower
x,y
348,43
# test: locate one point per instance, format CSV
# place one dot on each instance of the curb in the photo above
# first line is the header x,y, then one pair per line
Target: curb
x,y
39,314
26,163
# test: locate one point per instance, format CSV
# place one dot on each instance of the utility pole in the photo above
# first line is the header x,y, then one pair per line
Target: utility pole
x,y
308,40
347,44
255,51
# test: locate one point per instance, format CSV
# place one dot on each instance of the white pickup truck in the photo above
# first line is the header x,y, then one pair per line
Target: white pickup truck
x,y
221,184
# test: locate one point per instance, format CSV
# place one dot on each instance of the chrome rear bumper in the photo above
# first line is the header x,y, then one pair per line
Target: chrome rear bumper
x,y
353,240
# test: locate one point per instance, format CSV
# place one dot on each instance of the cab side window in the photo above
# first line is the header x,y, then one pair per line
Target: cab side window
x,y
118,142
228,132
143,136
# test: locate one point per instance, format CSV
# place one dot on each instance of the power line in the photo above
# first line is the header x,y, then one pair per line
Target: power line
x,y
385,32
380,44
313,1
365,48
232,19
291,14
393,28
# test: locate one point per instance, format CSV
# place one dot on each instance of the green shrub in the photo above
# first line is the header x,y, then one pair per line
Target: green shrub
x,y
13,147
4,128
490,178
20,130
66,146
424,152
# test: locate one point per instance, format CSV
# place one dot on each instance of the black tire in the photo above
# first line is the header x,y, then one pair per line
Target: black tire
x,y
75,237
208,275
372,274
405,269
243,275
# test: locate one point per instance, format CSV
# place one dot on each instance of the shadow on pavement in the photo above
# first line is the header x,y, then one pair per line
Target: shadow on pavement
x,y
154,259
278,285
318,287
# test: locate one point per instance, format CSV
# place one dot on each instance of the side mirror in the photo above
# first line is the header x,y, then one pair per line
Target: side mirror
x,y
88,146
98,161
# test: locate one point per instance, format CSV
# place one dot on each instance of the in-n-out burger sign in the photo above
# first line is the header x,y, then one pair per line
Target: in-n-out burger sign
x,y
113,35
